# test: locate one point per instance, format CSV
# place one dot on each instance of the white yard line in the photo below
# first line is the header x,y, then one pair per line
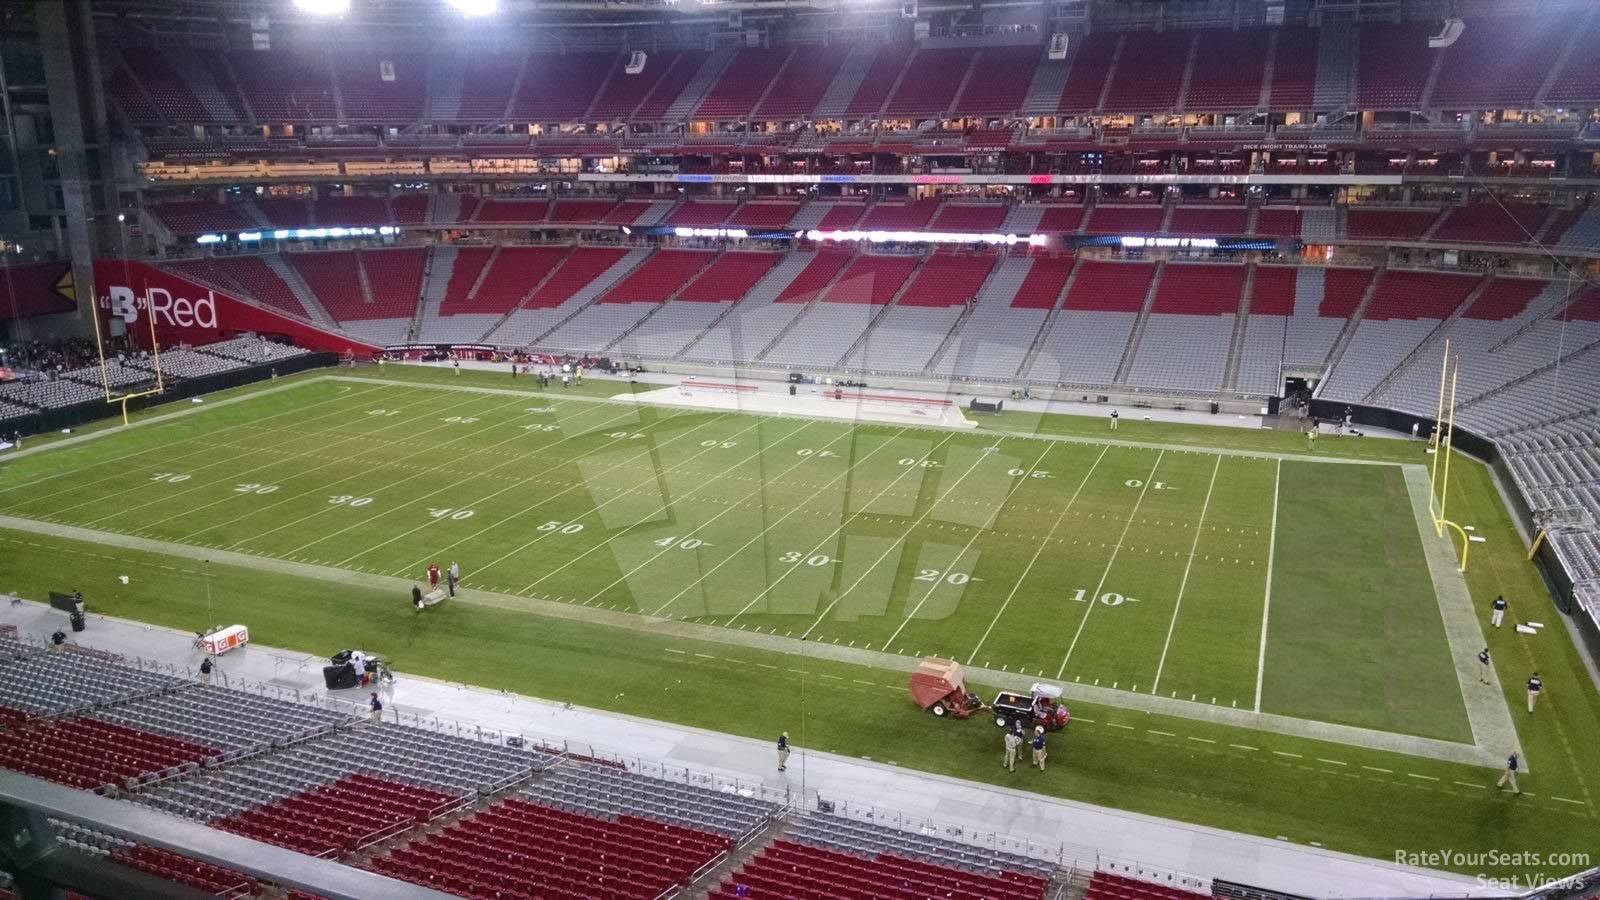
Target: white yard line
x,y
976,533
1111,562
1060,517
830,536
792,510
386,486
165,418
646,451
895,544
122,473
332,462
1194,548
649,517
1266,606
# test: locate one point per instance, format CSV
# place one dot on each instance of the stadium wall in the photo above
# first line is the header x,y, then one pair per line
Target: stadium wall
x,y
187,313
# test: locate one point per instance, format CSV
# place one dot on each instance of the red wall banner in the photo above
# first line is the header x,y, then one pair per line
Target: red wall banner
x,y
185,312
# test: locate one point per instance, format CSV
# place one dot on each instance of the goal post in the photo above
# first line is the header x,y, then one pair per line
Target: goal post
x,y
105,369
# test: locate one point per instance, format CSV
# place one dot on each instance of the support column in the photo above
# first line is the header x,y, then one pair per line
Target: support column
x,y
77,118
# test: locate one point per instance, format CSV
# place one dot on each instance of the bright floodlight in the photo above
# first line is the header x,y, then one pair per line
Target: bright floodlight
x,y
323,7
474,7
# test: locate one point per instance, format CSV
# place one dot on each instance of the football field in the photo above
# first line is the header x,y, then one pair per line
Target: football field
x,y
1233,579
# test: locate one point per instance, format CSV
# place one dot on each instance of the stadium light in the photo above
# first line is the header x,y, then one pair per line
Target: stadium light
x,y
474,8
323,7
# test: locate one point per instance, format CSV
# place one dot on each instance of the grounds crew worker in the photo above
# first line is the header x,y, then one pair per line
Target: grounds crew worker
x,y
1499,607
783,751
1013,741
1510,773
1534,687
1483,666
1039,753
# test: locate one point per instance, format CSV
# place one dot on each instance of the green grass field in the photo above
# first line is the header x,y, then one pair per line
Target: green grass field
x,y
1285,585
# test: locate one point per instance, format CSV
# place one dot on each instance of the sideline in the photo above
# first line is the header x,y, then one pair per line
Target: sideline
x,y
980,809
1428,748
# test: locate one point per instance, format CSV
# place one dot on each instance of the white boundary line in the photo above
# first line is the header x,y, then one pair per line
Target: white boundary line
x,y
279,445
792,510
842,525
897,542
1050,535
123,473
332,462
646,451
523,432
764,485
165,419
1016,485
1266,606
1095,597
648,517
1183,585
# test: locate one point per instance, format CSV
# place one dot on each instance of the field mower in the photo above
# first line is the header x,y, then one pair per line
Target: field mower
x,y
939,686
1042,707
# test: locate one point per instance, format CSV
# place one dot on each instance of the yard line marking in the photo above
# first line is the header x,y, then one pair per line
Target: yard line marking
x,y
1423,777
735,554
1243,747
1565,800
122,473
897,542
1115,725
1202,740
1182,585
1162,733
322,487
650,517
1376,769
830,536
1332,762
670,650
1288,754
580,483
1478,786
1109,563
1266,606
976,532
1060,517
705,656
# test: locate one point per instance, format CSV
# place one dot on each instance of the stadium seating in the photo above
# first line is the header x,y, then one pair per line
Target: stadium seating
x,y
1490,223
495,211
50,685
1579,81
200,217
1110,219
1294,68
230,721
911,216
1499,63
880,77
1185,341
557,853
802,83
89,754
512,275
1272,302
210,879
969,218
1027,875
1150,71
870,279
999,82
1277,221
335,281
742,83
285,87
1086,339
614,792
661,276
682,70
285,212
395,281
729,277
586,273
699,214
1059,219
1406,307
1228,70
763,216
386,87
1207,221
1389,224
558,87
1092,64
932,78
1393,62
1110,886
579,212
786,869
410,209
